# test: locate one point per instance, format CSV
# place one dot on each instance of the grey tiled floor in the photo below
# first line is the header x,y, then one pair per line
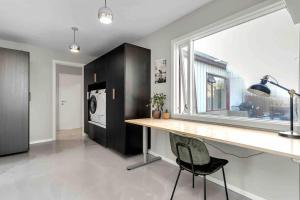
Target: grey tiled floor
x,y
76,168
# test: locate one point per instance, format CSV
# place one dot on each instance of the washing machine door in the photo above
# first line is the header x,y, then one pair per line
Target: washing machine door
x,y
93,104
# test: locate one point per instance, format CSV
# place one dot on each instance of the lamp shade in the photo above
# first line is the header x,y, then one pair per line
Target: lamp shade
x,y
260,90
74,48
105,15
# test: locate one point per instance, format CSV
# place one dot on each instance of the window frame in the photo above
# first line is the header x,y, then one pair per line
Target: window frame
x,y
181,81
241,17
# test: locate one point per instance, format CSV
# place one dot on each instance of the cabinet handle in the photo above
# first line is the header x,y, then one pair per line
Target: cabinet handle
x,y
113,93
95,77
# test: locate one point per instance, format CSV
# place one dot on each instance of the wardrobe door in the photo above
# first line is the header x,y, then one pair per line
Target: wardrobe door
x,y
100,69
115,126
137,94
14,101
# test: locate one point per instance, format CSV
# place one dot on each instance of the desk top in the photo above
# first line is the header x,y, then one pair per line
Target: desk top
x,y
264,141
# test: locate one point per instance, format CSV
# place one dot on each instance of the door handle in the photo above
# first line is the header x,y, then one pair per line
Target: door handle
x,y
63,102
113,93
95,77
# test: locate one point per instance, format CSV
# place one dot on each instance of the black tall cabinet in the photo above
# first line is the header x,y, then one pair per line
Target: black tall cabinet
x,y
14,101
125,73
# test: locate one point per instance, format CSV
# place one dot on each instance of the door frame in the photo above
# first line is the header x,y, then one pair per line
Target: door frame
x,y
54,89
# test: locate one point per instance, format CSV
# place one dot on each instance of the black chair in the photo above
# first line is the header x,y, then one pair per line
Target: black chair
x,y
192,156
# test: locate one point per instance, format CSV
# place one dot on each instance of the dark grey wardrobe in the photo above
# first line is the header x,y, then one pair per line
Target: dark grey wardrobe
x,y
125,74
14,101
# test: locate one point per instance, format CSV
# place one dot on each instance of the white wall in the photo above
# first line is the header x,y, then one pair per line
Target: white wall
x,y
266,176
41,85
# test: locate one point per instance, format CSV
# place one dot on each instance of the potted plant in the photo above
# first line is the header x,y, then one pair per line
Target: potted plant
x,y
166,114
157,102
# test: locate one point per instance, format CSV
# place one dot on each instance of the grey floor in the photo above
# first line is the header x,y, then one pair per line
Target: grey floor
x,y
76,168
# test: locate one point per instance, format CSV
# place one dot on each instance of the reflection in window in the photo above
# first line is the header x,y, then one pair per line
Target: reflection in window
x,y
216,93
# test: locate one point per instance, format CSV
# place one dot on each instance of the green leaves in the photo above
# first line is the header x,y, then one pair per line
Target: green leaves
x,y
158,101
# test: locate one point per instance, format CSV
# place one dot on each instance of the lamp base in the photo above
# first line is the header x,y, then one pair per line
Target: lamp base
x,y
290,134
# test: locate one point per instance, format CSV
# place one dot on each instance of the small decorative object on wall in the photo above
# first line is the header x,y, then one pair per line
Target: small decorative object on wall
x,y
166,114
160,71
157,102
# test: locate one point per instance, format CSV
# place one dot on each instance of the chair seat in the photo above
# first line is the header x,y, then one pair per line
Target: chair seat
x,y
214,165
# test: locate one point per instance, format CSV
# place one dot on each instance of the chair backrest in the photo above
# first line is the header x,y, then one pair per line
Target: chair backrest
x,y
199,151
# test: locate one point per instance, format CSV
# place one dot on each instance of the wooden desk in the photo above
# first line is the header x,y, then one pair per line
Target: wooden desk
x,y
263,141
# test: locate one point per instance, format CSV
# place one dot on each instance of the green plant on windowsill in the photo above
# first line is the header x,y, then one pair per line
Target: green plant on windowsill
x,y
157,102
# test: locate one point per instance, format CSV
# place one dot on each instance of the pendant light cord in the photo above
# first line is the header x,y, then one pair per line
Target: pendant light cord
x,y
105,3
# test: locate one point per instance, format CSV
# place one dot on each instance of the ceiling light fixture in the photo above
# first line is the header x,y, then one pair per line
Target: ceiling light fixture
x,y
74,47
105,15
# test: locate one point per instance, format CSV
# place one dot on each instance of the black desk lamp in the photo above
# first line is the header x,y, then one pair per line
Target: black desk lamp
x,y
261,89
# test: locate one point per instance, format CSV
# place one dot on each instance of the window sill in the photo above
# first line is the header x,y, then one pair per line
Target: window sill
x,y
268,125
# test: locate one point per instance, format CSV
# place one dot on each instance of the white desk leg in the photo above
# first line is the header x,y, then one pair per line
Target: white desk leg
x,y
148,158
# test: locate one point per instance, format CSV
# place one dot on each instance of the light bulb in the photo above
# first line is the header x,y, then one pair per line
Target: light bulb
x,y
105,15
74,48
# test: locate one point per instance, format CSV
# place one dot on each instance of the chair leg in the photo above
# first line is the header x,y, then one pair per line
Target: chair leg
x,y
225,183
204,187
176,183
193,181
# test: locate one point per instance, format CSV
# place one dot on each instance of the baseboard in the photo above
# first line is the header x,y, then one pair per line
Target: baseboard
x,y
235,189
217,181
41,141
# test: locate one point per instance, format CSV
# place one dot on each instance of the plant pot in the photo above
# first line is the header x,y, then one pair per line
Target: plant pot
x,y
156,114
166,115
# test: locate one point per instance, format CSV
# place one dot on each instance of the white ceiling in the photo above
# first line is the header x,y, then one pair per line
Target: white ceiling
x,y
47,23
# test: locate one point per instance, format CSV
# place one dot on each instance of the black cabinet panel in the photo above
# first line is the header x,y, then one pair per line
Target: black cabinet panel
x,y
115,100
100,69
137,82
137,93
98,134
14,101
125,71
89,78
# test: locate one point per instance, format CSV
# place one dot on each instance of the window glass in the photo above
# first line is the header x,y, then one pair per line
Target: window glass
x,y
226,63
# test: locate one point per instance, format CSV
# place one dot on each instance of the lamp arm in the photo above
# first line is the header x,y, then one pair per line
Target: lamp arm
x,y
284,88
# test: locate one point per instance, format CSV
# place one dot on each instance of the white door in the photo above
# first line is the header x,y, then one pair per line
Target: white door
x,y
70,101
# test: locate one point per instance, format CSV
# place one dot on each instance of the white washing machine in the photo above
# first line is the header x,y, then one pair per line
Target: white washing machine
x,y
97,107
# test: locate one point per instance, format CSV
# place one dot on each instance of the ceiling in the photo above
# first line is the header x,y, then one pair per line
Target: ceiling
x,y
47,23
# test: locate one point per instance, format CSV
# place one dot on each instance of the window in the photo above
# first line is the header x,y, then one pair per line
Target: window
x,y
213,71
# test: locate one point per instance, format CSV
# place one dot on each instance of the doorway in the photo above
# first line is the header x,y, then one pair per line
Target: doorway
x,y
68,100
